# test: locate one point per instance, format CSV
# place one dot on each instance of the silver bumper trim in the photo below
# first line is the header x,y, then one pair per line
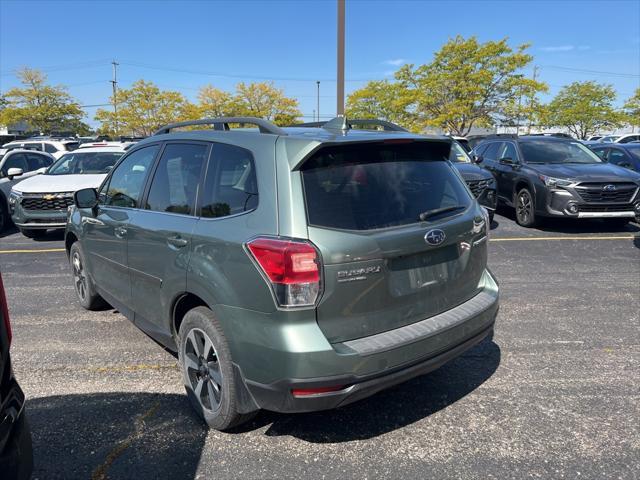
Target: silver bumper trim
x,y
606,214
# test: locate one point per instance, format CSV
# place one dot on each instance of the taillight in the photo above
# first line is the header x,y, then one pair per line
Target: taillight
x,y
292,268
5,310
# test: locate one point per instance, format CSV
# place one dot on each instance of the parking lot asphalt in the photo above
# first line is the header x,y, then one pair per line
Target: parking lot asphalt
x,y
556,394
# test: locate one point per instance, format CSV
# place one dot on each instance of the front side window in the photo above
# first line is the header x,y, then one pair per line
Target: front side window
x,y
372,186
125,185
36,162
491,153
508,150
231,187
540,151
601,152
17,160
617,157
175,183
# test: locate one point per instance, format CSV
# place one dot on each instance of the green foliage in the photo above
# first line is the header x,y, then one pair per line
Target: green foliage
x,y
470,84
142,109
584,108
632,108
43,107
263,100
383,100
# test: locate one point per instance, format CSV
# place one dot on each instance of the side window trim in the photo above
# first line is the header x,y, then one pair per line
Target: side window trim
x,y
195,212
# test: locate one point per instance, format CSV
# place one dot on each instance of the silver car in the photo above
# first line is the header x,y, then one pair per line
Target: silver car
x,y
16,165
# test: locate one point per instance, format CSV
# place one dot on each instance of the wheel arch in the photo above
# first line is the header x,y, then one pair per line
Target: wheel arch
x,y
181,305
69,239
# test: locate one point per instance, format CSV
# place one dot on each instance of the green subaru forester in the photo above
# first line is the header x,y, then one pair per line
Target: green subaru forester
x,y
291,269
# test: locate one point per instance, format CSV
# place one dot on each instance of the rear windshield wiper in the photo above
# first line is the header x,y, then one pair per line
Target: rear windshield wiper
x,y
437,211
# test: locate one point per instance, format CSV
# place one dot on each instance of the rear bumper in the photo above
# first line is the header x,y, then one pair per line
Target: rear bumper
x,y
364,366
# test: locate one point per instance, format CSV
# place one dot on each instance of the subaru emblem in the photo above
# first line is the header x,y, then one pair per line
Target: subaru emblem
x,y
609,188
435,237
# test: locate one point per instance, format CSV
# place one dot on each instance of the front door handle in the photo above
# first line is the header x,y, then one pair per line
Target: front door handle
x,y
120,232
177,241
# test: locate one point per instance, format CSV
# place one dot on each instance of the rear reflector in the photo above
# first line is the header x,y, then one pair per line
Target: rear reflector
x,y
292,268
305,392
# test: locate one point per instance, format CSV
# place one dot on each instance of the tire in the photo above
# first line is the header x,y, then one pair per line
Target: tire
x,y
33,233
525,209
85,290
207,370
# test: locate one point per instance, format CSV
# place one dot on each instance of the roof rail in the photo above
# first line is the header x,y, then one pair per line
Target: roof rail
x,y
342,123
222,123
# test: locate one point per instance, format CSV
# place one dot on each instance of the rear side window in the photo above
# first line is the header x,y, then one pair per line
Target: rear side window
x,y
231,182
50,148
371,186
175,183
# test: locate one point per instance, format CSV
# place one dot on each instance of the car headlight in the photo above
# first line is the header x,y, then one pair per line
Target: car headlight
x,y
555,182
14,196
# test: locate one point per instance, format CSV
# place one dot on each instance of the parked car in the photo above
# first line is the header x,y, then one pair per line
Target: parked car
x,y
40,203
16,452
625,155
628,138
54,146
480,181
16,165
594,138
291,269
555,177
609,138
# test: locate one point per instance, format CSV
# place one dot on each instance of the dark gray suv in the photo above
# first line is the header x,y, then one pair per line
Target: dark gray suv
x,y
292,269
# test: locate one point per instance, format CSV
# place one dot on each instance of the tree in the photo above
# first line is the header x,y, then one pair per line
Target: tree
x,y
144,108
632,108
263,100
469,84
213,102
584,108
382,100
43,107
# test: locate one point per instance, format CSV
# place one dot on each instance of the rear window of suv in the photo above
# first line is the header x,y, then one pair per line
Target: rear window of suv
x,y
372,186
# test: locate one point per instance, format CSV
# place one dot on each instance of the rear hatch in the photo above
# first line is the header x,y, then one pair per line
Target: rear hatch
x,y
384,267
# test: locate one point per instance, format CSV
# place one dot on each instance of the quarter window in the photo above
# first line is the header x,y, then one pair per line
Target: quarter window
x,y
128,178
50,148
175,183
233,188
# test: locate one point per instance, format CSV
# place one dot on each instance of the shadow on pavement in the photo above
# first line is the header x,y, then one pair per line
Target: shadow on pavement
x,y
51,235
8,230
574,225
115,435
391,409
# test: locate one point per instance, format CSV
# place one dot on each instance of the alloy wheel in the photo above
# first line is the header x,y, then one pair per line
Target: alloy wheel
x,y
80,279
202,369
523,207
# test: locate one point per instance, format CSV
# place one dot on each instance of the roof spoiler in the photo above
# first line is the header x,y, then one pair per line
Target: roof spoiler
x,y
222,124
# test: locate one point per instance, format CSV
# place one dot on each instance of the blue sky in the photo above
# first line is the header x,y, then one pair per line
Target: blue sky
x,y
184,45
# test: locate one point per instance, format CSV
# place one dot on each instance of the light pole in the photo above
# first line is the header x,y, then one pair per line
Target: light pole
x,y
340,79
318,99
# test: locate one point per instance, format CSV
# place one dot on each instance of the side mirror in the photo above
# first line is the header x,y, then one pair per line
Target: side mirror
x,y
86,198
507,161
14,172
477,158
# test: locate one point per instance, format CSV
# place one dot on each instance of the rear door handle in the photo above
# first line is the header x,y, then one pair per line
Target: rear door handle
x,y
177,241
120,232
